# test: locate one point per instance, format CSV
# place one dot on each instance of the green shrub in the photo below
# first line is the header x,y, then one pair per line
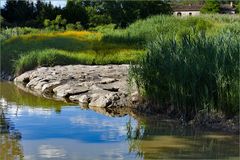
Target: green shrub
x,y
17,31
78,26
58,24
70,26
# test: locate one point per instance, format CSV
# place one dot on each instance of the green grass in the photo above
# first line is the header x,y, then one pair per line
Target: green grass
x,y
192,73
27,52
143,31
191,63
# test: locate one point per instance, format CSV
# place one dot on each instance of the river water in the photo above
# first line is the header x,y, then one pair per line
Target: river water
x,y
33,127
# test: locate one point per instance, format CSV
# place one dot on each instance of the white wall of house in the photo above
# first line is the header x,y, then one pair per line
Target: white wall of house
x,y
186,13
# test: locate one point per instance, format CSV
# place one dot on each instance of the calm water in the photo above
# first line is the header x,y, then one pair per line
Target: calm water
x,y
32,127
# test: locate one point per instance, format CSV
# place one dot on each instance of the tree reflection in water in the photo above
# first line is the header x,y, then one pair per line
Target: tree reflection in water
x,y
10,147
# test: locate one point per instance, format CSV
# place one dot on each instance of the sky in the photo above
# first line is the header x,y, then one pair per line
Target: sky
x,y
61,3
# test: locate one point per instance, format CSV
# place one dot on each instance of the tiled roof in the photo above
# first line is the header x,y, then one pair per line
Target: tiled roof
x,y
197,7
187,7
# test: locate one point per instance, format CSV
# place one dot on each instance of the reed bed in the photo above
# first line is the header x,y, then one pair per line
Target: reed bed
x,y
191,73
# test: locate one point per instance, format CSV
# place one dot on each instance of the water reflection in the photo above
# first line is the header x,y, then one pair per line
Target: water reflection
x,y
157,139
36,128
10,147
18,96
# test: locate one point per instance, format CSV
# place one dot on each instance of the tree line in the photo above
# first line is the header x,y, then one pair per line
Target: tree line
x,y
84,14
89,13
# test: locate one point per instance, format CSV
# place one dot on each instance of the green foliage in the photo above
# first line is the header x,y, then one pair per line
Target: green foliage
x,y
238,8
58,24
143,31
17,31
192,73
17,11
211,6
76,26
123,13
88,13
191,63
47,23
104,28
1,20
70,26
75,12
27,52
97,18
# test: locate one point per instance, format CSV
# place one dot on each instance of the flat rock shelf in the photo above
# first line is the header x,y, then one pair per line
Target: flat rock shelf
x,y
93,85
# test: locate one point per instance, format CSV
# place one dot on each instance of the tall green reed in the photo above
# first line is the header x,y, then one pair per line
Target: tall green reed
x,y
192,72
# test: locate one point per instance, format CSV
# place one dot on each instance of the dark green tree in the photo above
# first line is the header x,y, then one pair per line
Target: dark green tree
x,y
18,12
47,11
75,12
124,13
211,6
238,8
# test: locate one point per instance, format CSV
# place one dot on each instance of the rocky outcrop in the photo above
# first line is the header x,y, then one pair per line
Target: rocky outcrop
x,y
97,86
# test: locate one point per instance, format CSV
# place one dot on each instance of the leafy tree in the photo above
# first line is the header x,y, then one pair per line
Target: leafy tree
x,y
75,12
18,12
97,17
124,13
57,24
90,13
211,6
148,8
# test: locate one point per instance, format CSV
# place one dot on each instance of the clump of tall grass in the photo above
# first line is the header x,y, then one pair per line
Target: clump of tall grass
x,y
52,57
143,31
27,52
17,31
192,73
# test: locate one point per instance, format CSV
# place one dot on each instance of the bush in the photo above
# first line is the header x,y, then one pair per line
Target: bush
x,y
17,31
192,73
78,26
70,26
58,24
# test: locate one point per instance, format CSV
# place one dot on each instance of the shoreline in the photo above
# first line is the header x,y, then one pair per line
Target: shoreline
x,y
107,86
94,85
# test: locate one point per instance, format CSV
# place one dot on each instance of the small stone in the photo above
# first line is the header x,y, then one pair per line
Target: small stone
x,y
48,88
67,90
102,101
84,99
107,80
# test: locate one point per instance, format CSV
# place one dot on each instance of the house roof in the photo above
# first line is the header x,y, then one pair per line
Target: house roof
x,y
227,7
195,7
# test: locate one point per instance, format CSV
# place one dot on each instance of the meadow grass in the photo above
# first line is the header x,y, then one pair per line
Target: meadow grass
x,y
26,52
143,31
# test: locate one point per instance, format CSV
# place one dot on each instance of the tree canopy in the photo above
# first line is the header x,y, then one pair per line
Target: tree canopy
x,y
89,13
211,6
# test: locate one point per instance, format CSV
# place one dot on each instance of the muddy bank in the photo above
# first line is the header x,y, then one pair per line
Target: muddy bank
x,y
96,86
